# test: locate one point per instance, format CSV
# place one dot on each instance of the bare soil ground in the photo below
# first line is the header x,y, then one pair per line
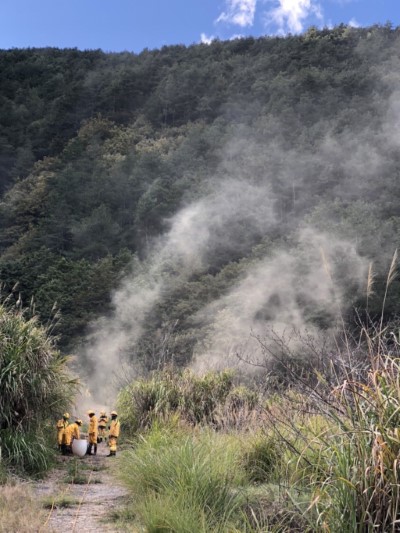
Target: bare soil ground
x,y
86,505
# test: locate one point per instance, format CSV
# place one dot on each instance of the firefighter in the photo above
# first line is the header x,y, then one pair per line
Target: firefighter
x,y
61,426
72,432
92,433
114,429
102,426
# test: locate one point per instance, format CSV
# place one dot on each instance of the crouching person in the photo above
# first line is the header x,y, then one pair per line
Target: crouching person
x,y
113,434
92,433
72,432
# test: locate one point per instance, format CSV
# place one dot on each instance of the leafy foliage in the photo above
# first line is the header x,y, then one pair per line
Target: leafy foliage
x,y
187,483
35,386
195,400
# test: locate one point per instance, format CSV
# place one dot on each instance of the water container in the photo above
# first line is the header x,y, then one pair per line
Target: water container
x,y
79,447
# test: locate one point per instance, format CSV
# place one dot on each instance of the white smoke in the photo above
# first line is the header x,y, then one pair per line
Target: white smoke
x,y
283,286
278,289
196,232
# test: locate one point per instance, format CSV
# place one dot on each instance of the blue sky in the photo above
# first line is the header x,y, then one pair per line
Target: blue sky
x,y
117,25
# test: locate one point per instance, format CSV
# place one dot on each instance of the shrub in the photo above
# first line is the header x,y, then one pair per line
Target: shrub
x,y
262,459
35,386
27,451
182,482
195,399
365,453
346,453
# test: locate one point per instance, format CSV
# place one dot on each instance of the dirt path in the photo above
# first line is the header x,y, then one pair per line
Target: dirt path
x,y
84,504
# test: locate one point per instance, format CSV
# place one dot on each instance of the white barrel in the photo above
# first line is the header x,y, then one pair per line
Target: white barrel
x,y
79,447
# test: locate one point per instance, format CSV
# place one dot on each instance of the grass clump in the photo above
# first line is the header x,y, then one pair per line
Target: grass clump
x,y
342,447
35,386
262,458
173,391
211,399
364,469
3,474
27,451
60,501
74,474
19,510
185,482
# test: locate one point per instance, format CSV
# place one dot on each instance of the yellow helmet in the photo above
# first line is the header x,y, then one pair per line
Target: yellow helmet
x,y
103,413
79,422
114,413
66,415
90,412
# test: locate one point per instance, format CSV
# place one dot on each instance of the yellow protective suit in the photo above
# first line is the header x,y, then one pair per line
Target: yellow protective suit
x,y
92,431
102,427
72,432
113,435
61,427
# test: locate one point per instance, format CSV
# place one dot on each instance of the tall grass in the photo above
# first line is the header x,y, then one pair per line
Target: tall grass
x,y
35,386
185,482
327,440
28,451
369,450
195,399
262,458
20,511
345,450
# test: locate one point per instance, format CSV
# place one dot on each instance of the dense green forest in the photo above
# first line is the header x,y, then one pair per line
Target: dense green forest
x,y
186,193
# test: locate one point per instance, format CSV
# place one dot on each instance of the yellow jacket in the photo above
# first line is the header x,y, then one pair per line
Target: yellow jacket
x,y
114,428
103,422
62,424
93,426
72,432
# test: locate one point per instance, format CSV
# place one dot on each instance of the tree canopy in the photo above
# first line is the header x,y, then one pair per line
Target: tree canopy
x,y
101,152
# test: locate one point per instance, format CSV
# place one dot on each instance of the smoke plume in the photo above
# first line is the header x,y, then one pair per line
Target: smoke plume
x,y
306,276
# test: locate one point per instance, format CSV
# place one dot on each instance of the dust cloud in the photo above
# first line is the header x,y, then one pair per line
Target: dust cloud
x,y
308,274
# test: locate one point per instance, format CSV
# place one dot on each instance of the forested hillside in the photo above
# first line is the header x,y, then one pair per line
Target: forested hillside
x,y
199,185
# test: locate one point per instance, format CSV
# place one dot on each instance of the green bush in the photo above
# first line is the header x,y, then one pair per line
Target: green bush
x,y
241,397
195,399
35,386
27,451
262,459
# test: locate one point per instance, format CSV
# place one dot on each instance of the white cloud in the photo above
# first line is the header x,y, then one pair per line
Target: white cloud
x,y
239,12
205,39
353,23
290,15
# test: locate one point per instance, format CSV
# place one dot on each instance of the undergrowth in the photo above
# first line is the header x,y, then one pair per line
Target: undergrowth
x,y
182,481
20,511
35,386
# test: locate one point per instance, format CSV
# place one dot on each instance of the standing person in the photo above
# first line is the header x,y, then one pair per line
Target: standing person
x,y
72,432
102,426
92,431
113,434
61,427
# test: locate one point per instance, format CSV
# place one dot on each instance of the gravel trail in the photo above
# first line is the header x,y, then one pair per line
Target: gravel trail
x,y
89,503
